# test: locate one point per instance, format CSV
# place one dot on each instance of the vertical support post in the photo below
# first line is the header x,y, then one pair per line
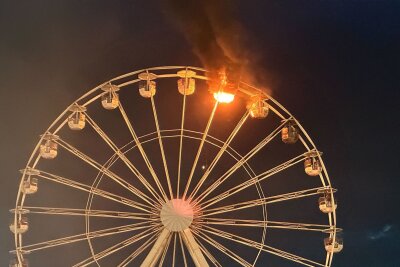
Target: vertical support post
x,y
157,249
194,249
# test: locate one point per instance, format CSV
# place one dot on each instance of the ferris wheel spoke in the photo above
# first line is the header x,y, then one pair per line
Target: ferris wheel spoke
x,y
122,156
164,253
240,163
200,149
81,237
106,171
141,150
330,255
113,249
137,252
265,201
221,248
95,191
304,142
193,248
89,213
263,247
220,153
181,144
207,253
266,174
157,250
153,105
183,250
174,251
328,259
269,224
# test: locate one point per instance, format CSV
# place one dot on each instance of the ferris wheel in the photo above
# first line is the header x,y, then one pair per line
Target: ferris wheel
x,y
137,173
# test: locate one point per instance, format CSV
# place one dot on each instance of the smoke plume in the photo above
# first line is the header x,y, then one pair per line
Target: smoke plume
x,y
217,38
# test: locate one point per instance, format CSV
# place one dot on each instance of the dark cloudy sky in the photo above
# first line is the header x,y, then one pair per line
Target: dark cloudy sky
x,y
334,64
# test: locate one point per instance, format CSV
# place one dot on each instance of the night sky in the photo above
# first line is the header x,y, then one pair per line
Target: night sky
x,y
335,65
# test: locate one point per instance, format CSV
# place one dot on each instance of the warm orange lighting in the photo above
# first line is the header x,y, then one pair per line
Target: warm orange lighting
x,y
224,97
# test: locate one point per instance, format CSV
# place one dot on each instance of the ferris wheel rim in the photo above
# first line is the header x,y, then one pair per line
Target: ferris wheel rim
x,y
307,142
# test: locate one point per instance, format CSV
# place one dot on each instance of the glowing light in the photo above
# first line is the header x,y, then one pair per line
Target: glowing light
x,y
224,97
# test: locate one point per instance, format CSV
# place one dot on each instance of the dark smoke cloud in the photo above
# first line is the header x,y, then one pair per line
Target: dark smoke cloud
x,y
216,36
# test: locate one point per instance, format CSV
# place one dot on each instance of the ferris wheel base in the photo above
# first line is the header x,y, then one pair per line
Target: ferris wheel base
x,y
191,245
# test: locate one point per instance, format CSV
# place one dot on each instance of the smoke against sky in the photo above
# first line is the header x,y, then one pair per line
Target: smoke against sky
x,y
218,38
382,233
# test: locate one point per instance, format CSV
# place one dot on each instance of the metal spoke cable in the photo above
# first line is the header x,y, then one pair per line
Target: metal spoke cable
x,y
174,251
161,146
269,224
85,236
264,201
122,156
106,171
207,253
137,252
181,143
200,149
223,249
266,174
116,247
165,251
220,153
141,150
238,164
96,191
263,247
90,213
183,250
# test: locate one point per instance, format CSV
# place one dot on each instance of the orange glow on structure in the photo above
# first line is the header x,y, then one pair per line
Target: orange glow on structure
x,y
224,97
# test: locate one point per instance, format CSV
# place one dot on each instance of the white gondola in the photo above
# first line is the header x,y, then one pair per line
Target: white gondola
x,y
30,185
325,204
312,165
258,108
289,133
147,85
110,99
48,149
186,83
333,247
77,119
20,226
225,87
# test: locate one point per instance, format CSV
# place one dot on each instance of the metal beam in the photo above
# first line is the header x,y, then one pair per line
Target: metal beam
x,y
194,249
157,249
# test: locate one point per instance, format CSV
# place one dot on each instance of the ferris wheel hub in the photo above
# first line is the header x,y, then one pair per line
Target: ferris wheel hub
x,y
176,215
